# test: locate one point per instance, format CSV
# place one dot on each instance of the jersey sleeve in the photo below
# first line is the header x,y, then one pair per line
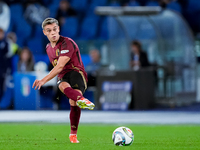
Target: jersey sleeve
x,y
67,48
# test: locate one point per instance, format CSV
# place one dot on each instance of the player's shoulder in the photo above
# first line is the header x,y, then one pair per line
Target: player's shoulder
x,y
67,41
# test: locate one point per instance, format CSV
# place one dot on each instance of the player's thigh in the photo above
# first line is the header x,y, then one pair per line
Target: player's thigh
x,y
63,85
78,81
64,82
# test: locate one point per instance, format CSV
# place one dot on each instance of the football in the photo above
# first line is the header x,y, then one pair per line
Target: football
x,y
123,136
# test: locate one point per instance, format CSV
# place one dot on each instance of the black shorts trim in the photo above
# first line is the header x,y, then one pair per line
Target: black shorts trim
x,y
75,79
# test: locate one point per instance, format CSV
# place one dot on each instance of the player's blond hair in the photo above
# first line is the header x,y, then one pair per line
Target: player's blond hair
x,y
49,21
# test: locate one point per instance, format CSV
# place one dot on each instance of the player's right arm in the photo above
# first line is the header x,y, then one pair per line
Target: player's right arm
x,y
66,52
62,61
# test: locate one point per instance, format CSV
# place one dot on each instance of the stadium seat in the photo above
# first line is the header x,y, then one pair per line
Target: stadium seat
x,y
89,28
93,5
133,3
53,7
91,10
152,3
16,12
70,27
104,29
23,31
174,6
99,2
114,3
38,32
53,11
79,5
36,46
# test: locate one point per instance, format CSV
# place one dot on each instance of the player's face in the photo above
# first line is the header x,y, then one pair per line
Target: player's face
x,y
52,32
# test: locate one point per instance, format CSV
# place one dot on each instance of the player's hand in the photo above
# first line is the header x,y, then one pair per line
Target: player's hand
x,y
37,84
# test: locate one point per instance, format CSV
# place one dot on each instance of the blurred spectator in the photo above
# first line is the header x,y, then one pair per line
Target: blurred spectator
x,y
26,62
5,62
35,13
138,56
93,67
64,10
163,3
4,16
12,39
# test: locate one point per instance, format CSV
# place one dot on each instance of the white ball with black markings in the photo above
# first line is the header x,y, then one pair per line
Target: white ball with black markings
x,y
123,136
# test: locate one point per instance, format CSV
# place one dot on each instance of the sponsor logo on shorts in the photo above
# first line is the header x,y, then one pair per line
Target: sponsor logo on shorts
x,y
75,86
64,51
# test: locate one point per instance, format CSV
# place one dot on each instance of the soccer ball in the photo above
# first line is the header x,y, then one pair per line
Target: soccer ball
x,y
123,136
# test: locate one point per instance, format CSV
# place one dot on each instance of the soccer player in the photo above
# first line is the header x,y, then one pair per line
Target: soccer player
x,y
64,54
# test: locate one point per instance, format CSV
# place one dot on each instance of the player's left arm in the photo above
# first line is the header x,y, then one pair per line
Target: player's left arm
x,y
62,61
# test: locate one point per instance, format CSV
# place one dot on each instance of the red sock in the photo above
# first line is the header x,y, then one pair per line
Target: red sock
x,y
72,94
74,116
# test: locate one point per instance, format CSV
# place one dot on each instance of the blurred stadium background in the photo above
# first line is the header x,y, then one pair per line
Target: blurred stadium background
x,y
168,31
168,88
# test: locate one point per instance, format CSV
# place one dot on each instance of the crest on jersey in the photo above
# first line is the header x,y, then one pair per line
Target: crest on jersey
x,y
57,52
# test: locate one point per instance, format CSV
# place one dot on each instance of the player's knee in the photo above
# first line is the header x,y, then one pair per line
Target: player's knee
x,y
63,85
72,103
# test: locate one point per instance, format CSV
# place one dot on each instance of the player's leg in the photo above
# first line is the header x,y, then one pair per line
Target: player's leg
x,y
75,96
74,116
75,113
75,80
69,91
78,81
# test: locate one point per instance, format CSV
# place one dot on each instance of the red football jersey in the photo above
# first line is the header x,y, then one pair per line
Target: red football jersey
x,y
66,47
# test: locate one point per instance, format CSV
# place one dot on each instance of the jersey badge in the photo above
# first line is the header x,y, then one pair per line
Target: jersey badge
x,y
57,52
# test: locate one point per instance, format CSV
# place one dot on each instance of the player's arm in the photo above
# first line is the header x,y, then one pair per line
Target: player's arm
x,y
62,61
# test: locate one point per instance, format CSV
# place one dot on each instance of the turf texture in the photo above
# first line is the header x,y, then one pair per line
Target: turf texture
x,y
36,136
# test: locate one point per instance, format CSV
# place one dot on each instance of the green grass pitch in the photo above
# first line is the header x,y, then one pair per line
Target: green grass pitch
x,y
36,136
